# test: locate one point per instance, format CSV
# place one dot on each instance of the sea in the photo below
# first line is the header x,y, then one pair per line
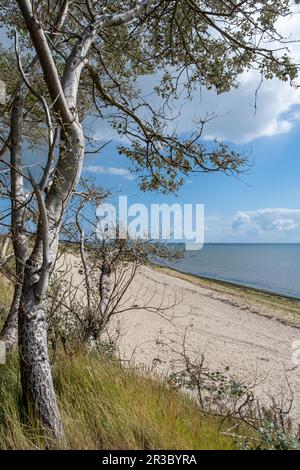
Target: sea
x,y
274,268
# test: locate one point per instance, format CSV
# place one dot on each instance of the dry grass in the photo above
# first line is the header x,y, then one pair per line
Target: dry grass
x,y
107,406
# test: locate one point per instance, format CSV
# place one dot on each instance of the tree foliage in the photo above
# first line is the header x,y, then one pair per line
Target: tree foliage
x,y
183,45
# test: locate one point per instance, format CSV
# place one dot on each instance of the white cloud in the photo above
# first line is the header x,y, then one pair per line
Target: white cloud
x,y
284,224
266,220
237,120
243,123
112,170
278,103
269,225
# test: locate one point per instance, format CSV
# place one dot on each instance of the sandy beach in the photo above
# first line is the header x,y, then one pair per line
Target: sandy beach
x,y
244,333
247,332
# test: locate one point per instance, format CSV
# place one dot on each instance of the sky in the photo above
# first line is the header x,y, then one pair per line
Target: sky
x,y
262,205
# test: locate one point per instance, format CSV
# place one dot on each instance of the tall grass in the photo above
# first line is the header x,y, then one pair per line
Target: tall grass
x,y
107,406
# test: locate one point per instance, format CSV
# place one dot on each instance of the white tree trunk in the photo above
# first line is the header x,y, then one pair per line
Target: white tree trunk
x,y
36,374
18,209
104,287
9,333
4,248
36,377
35,367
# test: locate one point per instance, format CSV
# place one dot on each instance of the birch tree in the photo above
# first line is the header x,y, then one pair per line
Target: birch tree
x,y
13,143
100,51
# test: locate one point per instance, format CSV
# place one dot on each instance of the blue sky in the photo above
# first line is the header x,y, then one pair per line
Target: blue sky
x,y
272,183
262,205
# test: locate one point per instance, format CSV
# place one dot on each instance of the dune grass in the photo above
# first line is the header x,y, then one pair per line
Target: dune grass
x,y
107,406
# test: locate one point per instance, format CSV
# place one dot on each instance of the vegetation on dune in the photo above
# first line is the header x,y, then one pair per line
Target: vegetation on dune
x,y
73,61
107,406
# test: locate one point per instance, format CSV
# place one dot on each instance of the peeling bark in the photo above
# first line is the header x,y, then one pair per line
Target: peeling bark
x,y
36,378
104,286
4,248
20,243
34,361
35,367
9,331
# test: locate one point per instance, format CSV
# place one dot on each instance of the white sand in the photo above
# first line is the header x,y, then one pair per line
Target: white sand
x,y
255,347
229,330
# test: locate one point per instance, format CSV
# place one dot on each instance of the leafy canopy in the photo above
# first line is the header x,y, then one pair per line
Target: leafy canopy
x,y
183,44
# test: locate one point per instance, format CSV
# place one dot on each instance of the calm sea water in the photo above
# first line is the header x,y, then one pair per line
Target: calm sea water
x,y
271,267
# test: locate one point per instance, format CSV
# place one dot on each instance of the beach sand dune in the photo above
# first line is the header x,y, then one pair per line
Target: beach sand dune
x,y
245,334
231,333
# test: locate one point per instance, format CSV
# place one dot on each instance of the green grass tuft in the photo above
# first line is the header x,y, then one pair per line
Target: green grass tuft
x,y
107,406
